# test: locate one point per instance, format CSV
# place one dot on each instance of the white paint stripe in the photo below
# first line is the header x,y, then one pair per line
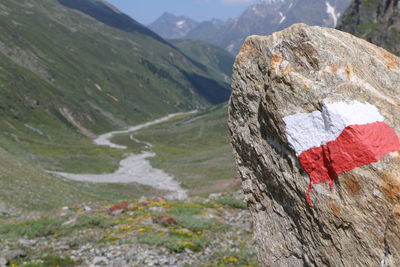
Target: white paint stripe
x,y
309,130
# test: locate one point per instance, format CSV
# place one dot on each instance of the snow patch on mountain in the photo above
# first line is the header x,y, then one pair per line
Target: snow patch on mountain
x,y
180,23
330,10
282,17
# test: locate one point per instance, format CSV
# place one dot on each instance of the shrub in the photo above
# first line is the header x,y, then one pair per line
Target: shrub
x,y
48,261
120,206
165,221
172,243
93,221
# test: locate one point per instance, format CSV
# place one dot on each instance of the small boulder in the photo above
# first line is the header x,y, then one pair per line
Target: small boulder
x,y
3,262
15,254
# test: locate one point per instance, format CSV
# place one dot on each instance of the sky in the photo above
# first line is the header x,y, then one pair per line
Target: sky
x,y
146,11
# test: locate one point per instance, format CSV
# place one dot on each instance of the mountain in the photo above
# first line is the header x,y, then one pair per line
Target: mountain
x,y
62,66
266,17
109,15
218,61
170,26
376,21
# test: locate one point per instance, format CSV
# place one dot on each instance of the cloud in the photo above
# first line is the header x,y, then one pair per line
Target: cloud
x,y
230,2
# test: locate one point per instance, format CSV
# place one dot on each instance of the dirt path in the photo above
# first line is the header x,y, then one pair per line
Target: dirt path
x,y
135,167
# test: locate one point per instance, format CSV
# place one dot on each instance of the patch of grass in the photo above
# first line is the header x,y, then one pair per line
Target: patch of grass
x,y
239,255
187,209
369,27
131,144
200,224
93,221
32,229
232,202
47,261
51,226
370,4
74,157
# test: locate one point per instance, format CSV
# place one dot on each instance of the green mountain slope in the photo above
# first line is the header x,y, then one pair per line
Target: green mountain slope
x,y
65,76
97,75
376,21
218,61
109,15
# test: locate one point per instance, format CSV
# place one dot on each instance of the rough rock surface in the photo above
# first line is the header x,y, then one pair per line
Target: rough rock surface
x,y
298,70
376,21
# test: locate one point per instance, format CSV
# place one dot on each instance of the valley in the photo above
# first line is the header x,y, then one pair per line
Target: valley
x,y
70,72
134,168
115,148
194,149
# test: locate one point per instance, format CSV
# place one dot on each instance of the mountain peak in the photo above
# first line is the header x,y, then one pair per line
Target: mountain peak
x,y
167,15
171,26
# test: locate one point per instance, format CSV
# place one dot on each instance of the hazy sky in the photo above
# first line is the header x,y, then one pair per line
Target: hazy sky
x,y
146,11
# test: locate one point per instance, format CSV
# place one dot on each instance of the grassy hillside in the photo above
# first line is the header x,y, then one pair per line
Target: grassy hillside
x,y
25,187
195,149
82,73
67,74
219,62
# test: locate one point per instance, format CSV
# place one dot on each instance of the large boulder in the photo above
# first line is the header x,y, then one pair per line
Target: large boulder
x,y
316,112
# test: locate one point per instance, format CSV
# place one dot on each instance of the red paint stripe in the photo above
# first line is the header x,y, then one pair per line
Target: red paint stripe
x,y
357,145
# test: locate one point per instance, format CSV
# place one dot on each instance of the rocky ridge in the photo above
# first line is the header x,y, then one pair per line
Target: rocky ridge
x,y
376,21
264,17
354,220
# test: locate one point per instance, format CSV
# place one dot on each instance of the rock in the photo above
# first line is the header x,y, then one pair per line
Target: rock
x,y
13,254
70,222
102,261
143,199
87,208
3,262
26,242
215,196
157,209
117,212
318,76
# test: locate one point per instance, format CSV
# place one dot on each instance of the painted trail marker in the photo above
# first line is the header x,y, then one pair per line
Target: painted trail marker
x,y
340,138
